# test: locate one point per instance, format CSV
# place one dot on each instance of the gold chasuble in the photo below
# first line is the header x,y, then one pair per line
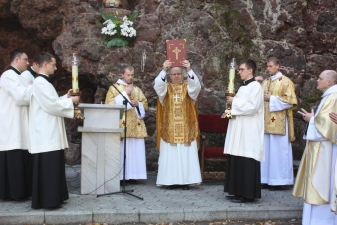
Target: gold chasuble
x,y
135,127
275,122
313,176
177,120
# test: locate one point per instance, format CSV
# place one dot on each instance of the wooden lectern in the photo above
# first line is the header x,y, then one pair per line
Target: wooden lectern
x,y
100,164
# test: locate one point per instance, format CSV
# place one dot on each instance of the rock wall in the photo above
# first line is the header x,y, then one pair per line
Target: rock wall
x,y
301,33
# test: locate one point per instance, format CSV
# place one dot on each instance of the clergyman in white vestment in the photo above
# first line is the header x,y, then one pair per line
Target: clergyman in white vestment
x,y
279,102
135,162
315,181
15,160
244,138
48,137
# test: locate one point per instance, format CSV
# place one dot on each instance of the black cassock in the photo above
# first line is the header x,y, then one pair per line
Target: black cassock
x,y
243,177
49,180
15,175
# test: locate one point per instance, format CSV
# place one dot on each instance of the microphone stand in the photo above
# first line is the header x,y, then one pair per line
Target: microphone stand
x,y
125,102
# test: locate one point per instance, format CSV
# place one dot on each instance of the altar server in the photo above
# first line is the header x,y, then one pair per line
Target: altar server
x,y
15,160
48,137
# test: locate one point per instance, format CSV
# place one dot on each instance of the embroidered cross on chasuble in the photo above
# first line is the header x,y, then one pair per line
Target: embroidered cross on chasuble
x,y
177,120
275,122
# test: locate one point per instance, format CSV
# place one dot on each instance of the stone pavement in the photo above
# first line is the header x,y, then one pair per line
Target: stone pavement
x,y
202,203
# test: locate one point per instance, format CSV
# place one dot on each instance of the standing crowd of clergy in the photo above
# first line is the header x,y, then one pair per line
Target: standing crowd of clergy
x,y
266,161
258,140
32,134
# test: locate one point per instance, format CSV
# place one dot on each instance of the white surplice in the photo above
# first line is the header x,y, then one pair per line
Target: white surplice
x,y
178,163
135,164
46,125
27,77
245,131
277,169
14,105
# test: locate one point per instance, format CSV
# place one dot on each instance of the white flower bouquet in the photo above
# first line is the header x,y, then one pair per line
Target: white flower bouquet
x,y
117,31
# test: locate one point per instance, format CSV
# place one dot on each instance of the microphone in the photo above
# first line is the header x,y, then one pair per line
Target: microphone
x,y
102,75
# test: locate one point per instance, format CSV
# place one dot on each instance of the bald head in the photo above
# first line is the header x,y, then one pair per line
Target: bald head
x,y
331,75
326,79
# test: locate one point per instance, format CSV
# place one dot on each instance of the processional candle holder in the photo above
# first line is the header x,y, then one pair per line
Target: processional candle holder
x,y
230,90
76,91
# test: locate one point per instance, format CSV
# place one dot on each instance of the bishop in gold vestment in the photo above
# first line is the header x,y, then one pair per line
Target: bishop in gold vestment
x,y
177,127
280,101
315,181
135,167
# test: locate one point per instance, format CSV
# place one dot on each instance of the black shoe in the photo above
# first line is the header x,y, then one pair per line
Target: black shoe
x,y
132,181
126,182
242,200
230,197
185,187
265,186
275,188
19,199
171,187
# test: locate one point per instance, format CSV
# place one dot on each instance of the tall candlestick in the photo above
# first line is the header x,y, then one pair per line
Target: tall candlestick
x,y
231,77
74,72
76,90
230,89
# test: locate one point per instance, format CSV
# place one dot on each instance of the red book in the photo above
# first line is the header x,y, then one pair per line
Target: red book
x,y
176,52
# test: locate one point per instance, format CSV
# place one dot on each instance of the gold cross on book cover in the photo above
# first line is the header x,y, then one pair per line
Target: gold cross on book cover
x,y
176,52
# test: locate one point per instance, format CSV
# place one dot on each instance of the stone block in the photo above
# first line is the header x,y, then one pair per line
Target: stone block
x,y
115,217
154,216
35,217
68,217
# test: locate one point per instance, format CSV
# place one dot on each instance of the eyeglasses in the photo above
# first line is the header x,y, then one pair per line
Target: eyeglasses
x,y
175,74
241,69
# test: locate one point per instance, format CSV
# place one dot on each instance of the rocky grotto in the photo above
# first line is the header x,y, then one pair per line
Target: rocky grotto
x,y
301,33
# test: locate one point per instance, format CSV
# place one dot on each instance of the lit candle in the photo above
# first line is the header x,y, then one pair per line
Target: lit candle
x,y
74,71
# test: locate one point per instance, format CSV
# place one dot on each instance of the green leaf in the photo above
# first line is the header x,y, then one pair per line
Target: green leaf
x,y
104,15
116,42
99,24
112,17
133,15
124,44
106,40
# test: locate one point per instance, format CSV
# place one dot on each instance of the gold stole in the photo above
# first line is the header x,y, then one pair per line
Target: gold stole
x,y
177,120
303,186
275,122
